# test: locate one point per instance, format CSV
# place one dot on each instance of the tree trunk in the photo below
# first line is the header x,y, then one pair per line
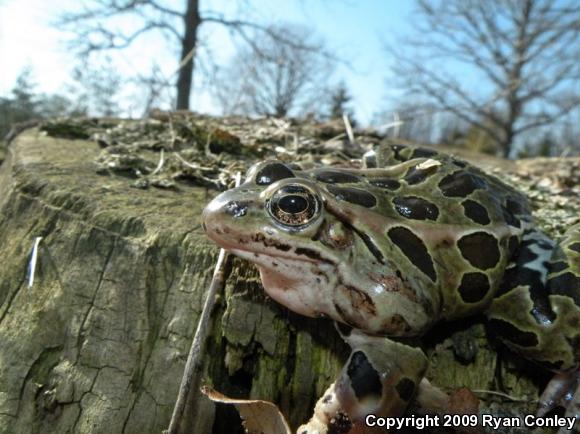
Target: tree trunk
x,y
189,43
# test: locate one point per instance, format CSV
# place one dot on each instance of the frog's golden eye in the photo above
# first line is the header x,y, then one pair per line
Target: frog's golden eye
x,y
294,205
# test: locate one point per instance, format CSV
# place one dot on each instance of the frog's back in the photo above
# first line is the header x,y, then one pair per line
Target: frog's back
x,y
444,224
459,193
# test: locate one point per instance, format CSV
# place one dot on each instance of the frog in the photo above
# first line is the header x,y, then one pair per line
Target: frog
x,y
406,238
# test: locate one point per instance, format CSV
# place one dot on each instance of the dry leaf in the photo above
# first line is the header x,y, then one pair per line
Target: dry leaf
x,y
260,417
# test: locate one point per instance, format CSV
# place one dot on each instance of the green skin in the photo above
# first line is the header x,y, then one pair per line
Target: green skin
x,y
409,238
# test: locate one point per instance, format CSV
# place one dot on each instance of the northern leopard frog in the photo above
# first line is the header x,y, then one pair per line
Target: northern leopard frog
x,y
410,238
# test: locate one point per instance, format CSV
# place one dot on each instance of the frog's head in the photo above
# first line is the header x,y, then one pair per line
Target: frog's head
x,y
280,219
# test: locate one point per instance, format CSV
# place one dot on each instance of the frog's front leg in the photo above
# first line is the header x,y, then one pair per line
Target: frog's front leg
x,y
380,377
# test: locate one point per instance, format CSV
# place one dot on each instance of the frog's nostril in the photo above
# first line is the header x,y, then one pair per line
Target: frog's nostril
x,y
236,208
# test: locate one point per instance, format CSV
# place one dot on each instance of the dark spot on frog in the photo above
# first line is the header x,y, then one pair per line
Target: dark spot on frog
x,y
416,208
480,249
475,212
575,247
459,163
414,249
260,238
423,153
353,195
273,172
389,184
368,242
364,378
372,247
515,206
396,325
474,287
460,184
566,284
510,219
336,177
236,208
327,399
509,332
405,388
416,175
360,300
556,267
397,152
312,254
274,264
513,245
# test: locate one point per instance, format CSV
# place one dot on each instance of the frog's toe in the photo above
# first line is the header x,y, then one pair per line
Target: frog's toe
x,y
560,392
563,390
572,404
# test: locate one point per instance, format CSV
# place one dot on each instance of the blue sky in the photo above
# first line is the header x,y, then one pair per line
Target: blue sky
x,y
353,29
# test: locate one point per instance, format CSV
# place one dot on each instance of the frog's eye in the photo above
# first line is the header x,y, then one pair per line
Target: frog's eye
x,y
294,205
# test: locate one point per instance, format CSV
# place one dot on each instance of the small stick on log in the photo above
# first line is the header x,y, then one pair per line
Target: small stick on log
x,y
192,371
348,128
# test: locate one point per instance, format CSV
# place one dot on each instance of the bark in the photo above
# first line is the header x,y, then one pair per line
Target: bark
x,y
191,22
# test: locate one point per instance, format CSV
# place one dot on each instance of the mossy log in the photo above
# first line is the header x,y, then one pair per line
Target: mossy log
x,y
98,343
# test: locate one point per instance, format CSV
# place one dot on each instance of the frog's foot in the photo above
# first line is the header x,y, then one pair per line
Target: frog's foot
x,y
563,390
328,416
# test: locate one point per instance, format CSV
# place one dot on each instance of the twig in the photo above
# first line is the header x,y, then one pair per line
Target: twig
x,y
348,128
503,395
193,165
33,260
192,371
340,136
160,164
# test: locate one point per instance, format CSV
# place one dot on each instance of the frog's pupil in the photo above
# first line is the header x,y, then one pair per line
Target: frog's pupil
x,y
293,204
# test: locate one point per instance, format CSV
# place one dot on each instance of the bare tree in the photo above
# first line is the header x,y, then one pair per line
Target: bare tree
x,y
96,28
274,77
96,88
525,54
340,103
